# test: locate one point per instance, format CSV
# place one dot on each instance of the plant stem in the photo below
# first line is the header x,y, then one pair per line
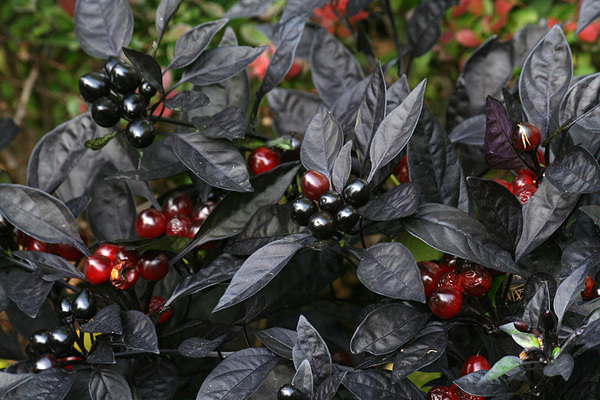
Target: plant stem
x,y
388,10
173,121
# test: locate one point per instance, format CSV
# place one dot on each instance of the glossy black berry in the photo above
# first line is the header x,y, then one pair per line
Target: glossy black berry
x,y
94,85
357,192
302,209
84,306
106,111
346,218
140,133
289,392
330,201
39,341
133,106
60,341
147,90
321,225
111,62
65,307
44,362
548,320
124,78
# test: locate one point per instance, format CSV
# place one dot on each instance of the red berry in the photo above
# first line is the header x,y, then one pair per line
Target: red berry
x,y
445,301
504,183
108,250
525,193
430,273
526,136
130,255
401,170
475,363
263,159
153,265
97,269
202,211
124,274
586,293
442,393
450,278
462,395
177,203
520,181
314,184
342,358
32,244
68,252
476,281
150,223
177,225
525,171
448,262
157,302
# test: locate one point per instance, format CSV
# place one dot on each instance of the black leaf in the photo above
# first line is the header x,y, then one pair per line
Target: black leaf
x,y
27,290
239,375
396,93
387,328
342,167
395,130
24,324
292,109
107,384
248,8
164,12
354,6
585,251
577,172
399,202
157,161
8,131
569,291
310,346
561,365
423,28
148,67
216,161
187,100
139,332
216,65
373,384
105,321
456,232
345,108
303,379
537,305
589,11
49,267
101,353
196,347
499,211
370,114
590,337
78,205
593,212
515,111
329,387
103,27
543,214
191,44
10,347
472,384
470,131
157,380
279,340
227,124
259,269
525,39
50,384
580,99
390,270
420,351
545,78
9,382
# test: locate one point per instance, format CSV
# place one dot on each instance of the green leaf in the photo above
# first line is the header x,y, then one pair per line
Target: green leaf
x,y
100,142
504,365
526,340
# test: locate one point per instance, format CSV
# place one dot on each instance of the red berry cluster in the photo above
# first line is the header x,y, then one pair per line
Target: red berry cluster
x,y
64,250
123,267
178,218
523,185
401,171
156,303
591,289
453,392
445,284
263,159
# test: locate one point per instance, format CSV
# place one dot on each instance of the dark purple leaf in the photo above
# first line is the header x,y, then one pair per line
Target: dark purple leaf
x,y
453,231
9,382
537,305
374,384
434,165
216,161
525,39
78,205
233,212
158,161
472,384
470,131
228,124
248,8
499,211
577,172
101,353
396,93
370,114
334,68
40,215
279,340
191,44
24,324
390,270
342,167
429,344
329,387
79,181
354,6
561,365
590,337
545,78
103,27
499,151
322,142
105,321
569,291
59,151
49,267
216,65
10,347
259,269
187,100
589,11
292,109
239,375
157,380
515,112
593,212
107,384
27,290
8,131
423,28
581,98
543,214
395,130
139,332
50,384
400,202
196,347
387,328
164,12
303,379
345,108
310,346
148,67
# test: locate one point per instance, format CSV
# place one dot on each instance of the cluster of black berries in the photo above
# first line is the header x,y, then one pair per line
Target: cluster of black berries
x,y
112,92
335,215
47,347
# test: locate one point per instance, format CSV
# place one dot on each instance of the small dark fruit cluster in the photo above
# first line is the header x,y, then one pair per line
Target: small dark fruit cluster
x,y
445,284
263,159
116,92
453,392
523,185
64,250
591,289
178,217
338,212
124,267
